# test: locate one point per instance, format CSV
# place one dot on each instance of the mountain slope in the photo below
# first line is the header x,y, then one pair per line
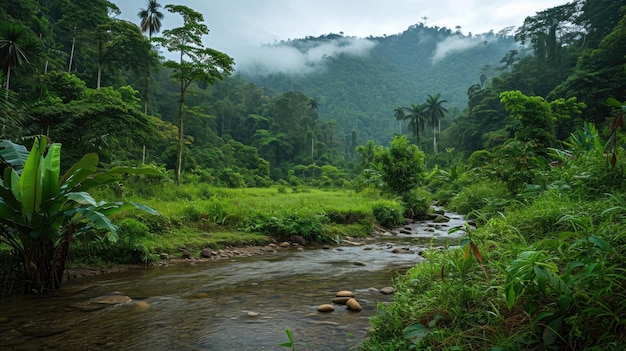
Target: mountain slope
x,y
359,82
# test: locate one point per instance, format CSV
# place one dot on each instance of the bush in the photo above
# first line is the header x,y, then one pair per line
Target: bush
x,y
128,249
416,204
388,213
310,227
486,197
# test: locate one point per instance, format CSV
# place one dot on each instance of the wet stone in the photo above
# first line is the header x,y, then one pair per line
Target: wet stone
x,y
345,293
353,305
388,290
325,308
341,300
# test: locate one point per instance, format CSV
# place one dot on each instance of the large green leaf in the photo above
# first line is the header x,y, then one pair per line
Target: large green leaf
x,y
99,220
14,154
53,158
52,169
31,179
80,171
11,181
82,198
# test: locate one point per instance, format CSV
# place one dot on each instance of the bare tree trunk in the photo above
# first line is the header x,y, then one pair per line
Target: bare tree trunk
x,y
6,94
99,77
181,110
69,67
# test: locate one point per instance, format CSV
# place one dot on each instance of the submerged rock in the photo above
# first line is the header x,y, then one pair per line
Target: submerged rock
x,y
112,300
388,290
141,306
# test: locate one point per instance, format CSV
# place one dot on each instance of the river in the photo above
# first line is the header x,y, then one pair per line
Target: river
x,y
238,304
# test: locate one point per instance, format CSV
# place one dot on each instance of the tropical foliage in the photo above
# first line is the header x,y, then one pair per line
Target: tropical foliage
x,y
531,121
42,211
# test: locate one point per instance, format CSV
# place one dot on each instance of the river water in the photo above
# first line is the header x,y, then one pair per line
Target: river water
x,y
238,304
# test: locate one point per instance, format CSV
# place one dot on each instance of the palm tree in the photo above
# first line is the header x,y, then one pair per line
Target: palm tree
x,y
314,105
434,113
400,116
151,18
15,46
416,115
151,23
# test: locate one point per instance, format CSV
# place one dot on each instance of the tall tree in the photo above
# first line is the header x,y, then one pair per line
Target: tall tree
x,y
416,115
196,63
151,23
15,48
151,18
400,116
434,113
119,44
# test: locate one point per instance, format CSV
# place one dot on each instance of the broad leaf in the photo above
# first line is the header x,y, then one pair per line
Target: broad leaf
x,y
31,179
99,220
83,169
600,243
415,332
82,198
14,154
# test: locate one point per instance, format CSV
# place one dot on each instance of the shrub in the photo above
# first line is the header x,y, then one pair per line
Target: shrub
x,y
310,227
486,197
388,213
416,204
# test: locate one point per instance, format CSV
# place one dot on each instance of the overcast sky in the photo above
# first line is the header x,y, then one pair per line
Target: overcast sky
x,y
237,25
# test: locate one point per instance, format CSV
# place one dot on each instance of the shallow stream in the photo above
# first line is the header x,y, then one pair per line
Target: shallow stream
x,y
237,304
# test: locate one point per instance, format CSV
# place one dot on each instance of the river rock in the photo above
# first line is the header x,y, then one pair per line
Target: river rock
x,y
252,314
325,308
284,244
405,231
388,290
401,250
298,240
441,219
112,300
141,306
345,293
164,256
353,305
206,253
341,300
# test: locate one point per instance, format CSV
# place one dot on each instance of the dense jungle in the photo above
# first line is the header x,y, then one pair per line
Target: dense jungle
x,y
112,153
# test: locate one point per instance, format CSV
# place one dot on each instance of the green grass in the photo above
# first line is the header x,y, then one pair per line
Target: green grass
x,y
199,216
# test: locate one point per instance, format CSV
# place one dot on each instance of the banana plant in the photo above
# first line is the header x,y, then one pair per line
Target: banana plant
x,y
42,211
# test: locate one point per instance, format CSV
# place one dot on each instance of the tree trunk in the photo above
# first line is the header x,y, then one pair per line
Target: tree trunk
x,y
99,77
179,156
6,95
38,272
69,67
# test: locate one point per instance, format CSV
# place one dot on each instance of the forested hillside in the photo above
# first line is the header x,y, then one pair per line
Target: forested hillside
x,y
76,73
361,88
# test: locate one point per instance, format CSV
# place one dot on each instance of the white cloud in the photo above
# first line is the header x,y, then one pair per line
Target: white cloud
x,y
455,44
289,60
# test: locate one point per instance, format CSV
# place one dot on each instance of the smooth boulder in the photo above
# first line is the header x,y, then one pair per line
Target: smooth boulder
x,y
353,305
